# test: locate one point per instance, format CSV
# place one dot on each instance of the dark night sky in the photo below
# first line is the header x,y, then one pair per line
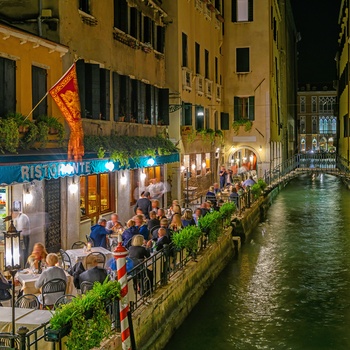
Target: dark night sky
x,y
317,22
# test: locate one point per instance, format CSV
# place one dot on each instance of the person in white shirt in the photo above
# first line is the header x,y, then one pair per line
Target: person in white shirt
x,y
22,223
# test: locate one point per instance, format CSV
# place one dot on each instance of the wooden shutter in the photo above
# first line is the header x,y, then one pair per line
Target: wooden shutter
x,y
80,68
92,90
242,60
184,50
236,108
134,98
187,112
250,10
7,86
224,121
39,88
116,96
156,104
160,38
105,94
121,13
141,101
128,97
234,10
148,103
251,115
164,105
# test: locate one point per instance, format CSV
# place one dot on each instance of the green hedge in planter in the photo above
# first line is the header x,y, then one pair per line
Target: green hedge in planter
x,y
212,225
187,238
226,211
87,315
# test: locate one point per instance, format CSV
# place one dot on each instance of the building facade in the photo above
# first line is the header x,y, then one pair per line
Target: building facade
x,y
317,120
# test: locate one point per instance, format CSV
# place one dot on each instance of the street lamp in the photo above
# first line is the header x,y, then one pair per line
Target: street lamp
x,y
12,262
183,169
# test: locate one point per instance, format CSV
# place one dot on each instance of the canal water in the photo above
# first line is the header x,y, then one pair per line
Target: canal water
x,y
289,288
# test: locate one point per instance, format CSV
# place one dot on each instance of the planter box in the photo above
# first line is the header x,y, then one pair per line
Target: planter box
x,y
55,335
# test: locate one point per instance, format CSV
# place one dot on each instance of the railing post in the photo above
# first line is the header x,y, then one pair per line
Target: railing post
x,y
22,332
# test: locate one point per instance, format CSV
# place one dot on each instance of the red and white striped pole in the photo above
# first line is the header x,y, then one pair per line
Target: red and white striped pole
x,y
120,255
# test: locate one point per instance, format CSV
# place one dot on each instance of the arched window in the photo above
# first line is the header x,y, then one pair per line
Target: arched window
x,y
334,126
302,148
321,126
314,145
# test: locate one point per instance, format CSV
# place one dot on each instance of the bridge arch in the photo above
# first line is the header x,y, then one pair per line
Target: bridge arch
x,y
243,159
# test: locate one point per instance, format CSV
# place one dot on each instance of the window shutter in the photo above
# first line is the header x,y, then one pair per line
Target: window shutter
x,y
187,114
128,97
234,10
152,116
160,38
39,91
7,86
242,60
250,10
236,108
141,102
92,90
156,105
164,105
105,93
224,121
251,115
80,67
116,96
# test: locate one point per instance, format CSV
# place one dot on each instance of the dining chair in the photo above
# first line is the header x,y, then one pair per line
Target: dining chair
x,y
78,245
85,286
52,290
63,300
100,258
66,262
6,340
27,301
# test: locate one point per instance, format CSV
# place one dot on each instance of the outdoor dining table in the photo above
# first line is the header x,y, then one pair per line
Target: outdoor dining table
x,y
29,318
28,279
79,255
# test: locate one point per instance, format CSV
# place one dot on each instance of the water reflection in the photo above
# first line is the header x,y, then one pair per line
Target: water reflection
x,y
290,286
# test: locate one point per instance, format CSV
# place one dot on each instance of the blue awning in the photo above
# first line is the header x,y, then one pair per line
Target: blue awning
x,y
46,170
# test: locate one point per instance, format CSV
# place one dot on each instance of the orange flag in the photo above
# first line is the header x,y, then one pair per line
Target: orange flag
x,y
66,94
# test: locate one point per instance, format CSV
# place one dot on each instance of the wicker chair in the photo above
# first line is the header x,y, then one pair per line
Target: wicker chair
x,y
56,288
66,262
85,286
28,301
78,245
63,300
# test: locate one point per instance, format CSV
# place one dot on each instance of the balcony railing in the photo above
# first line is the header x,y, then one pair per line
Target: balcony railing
x,y
186,79
208,88
199,85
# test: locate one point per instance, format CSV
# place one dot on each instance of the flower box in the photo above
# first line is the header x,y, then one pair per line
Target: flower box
x,y
55,335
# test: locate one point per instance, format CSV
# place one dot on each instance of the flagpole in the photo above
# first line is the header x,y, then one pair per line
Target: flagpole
x,y
47,92
36,105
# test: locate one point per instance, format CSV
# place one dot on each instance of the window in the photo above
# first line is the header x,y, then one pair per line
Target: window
x,y
96,195
184,50
84,5
334,125
302,125
94,90
199,118
244,108
7,86
121,15
216,70
206,63
314,104
303,145
187,114
225,122
346,125
314,125
242,10
207,118
197,58
160,39
242,60
302,104
326,104
314,145
39,88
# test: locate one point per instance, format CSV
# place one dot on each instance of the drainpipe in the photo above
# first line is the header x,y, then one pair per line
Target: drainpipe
x,y
39,18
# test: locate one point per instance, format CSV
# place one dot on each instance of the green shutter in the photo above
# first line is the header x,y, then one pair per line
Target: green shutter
x,y
234,10
251,115
116,96
92,89
236,108
250,11
80,67
224,121
39,89
105,94
164,105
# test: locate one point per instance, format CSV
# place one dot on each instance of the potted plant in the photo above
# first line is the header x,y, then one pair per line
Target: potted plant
x,y
48,125
9,135
242,122
187,238
211,225
226,211
84,320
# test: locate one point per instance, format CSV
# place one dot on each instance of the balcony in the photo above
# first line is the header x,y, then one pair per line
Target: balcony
x,y
207,13
186,79
218,93
199,85
208,88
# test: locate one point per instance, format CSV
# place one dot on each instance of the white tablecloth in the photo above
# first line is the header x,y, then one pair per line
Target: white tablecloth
x,y
77,255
